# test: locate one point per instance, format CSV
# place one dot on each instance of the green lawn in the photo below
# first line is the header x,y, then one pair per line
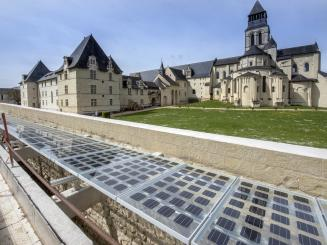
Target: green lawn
x,y
219,104
295,127
210,104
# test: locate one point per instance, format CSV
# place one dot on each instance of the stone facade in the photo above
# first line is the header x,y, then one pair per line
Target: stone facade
x,y
10,95
267,76
263,76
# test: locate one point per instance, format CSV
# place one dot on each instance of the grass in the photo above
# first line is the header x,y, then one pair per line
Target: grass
x,y
210,104
296,127
219,104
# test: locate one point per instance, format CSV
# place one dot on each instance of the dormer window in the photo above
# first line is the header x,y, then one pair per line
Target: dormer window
x,y
92,62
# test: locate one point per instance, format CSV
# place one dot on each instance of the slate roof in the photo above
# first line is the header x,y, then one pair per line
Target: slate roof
x,y
323,73
257,8
227,61
177,73
49,75
248,74
254,50
38,71
199,69
151,85
271,44
88,47
287,53
301,78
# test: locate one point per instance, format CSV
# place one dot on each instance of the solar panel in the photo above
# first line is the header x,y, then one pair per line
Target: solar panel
x,y
186,202
275,216
188,191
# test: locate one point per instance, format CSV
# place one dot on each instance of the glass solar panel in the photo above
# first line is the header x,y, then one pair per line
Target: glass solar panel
x,y
191,204
190,193
275,216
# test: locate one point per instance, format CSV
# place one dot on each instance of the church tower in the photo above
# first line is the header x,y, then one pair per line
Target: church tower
x,y
258,31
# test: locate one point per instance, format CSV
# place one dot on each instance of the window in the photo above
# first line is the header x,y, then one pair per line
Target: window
x,y
129,91
66,89
110,76
217,75
141,92
306,67
224,74
284,88
252,39
93,89
264,84
217,92
62,103
251,63
110,102
228,90
65,75
51,97
294,68
234,86
193,91
93,75
110,90
93,102
260,38
66,102
272,89
57,92
258,89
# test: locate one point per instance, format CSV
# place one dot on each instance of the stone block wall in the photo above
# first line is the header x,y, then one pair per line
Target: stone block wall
x,y
291,166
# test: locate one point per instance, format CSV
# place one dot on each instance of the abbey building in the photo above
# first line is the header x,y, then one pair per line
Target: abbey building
x,y
89,81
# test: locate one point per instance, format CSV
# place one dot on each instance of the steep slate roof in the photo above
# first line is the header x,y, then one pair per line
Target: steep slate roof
x,y
38,71
254,50
289,52
227,61
177,73
301,78
116,68
89,46
257,8
49,75
199,69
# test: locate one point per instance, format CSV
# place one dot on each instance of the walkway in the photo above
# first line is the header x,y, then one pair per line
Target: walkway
x,y
14,226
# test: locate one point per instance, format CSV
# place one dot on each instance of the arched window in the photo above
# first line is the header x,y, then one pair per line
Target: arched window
x,y
260,38
252,39
306,67
294,68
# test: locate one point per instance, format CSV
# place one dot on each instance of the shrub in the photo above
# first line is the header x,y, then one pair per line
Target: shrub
x,y
106,114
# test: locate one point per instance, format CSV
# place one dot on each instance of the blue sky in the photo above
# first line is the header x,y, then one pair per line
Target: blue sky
x,y
138,33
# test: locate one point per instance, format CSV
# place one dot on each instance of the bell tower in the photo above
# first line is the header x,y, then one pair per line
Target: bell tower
x,y
258,32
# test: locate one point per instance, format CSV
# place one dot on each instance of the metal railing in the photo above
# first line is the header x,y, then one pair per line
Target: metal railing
x,y
6,139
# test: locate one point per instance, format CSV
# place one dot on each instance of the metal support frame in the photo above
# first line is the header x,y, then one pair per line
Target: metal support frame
x,y
104,236
6,138
63,180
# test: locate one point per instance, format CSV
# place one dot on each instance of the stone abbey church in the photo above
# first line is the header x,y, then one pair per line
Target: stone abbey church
x,y
90,81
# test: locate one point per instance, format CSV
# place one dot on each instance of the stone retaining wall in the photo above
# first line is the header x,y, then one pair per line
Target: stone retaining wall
x,y
294,167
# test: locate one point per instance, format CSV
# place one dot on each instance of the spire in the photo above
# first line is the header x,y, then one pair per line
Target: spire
x,y
257,8
162,68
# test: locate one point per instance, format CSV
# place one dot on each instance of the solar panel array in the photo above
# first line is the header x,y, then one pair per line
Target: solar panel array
x,y
180,200
257,213
192,204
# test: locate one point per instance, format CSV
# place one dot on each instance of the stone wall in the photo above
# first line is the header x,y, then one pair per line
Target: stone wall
x,y
294,167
